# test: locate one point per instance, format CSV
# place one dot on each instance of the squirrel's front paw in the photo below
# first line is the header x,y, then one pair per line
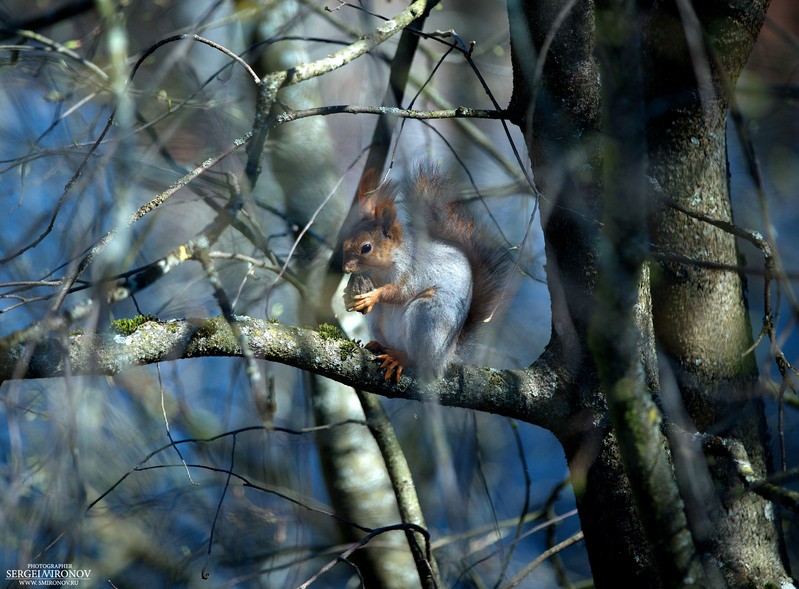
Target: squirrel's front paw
x,y
363,303
358,284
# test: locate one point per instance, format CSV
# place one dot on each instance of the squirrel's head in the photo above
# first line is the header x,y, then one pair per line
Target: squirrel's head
x,y
370,243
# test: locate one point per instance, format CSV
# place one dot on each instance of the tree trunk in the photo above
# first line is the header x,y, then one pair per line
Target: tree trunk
x,y
699,315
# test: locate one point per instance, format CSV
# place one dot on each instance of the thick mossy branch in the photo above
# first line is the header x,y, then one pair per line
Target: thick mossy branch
x,y
126,326
530,395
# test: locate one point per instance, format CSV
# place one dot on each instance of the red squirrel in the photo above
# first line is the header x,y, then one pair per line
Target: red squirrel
x,y
427,272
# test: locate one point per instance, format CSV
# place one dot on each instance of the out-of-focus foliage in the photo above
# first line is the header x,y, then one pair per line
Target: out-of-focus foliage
x,y
89,474
178,510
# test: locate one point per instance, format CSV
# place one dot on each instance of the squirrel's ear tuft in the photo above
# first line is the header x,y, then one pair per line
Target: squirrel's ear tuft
x,y
376,200
369,182
385,215
367,189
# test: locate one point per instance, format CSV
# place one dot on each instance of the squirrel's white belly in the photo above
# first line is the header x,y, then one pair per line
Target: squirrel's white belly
x,y
426,328
387,327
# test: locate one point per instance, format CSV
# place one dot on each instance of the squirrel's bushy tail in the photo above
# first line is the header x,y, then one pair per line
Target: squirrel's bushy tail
x,y
449,219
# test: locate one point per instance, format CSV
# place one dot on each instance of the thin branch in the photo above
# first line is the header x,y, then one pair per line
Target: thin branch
x,y
148,207
173,444
402,481
578,537
205,574
269,86
363,542
51,17
55,47
474,134
767,488
264,401
526,504
453,113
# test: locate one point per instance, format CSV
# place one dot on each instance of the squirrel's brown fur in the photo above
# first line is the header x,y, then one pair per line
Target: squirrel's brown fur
x,y
432,275
451,220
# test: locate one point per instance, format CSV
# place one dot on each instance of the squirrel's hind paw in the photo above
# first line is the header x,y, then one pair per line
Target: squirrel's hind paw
x,y
392,361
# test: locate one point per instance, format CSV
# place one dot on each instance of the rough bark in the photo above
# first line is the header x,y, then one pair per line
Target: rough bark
x,y
700,315
557,101
558,106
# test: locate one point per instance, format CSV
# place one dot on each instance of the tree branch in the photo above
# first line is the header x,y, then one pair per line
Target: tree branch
x,y
271,84
458,112
531,395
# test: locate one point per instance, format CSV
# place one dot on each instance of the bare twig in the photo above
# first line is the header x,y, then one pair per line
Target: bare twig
x,y
578,537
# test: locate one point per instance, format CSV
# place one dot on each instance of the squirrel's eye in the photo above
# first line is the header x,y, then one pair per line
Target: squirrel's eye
x,y
366,248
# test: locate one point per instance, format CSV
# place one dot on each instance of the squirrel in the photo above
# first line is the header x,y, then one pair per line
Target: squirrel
x,y
427,273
